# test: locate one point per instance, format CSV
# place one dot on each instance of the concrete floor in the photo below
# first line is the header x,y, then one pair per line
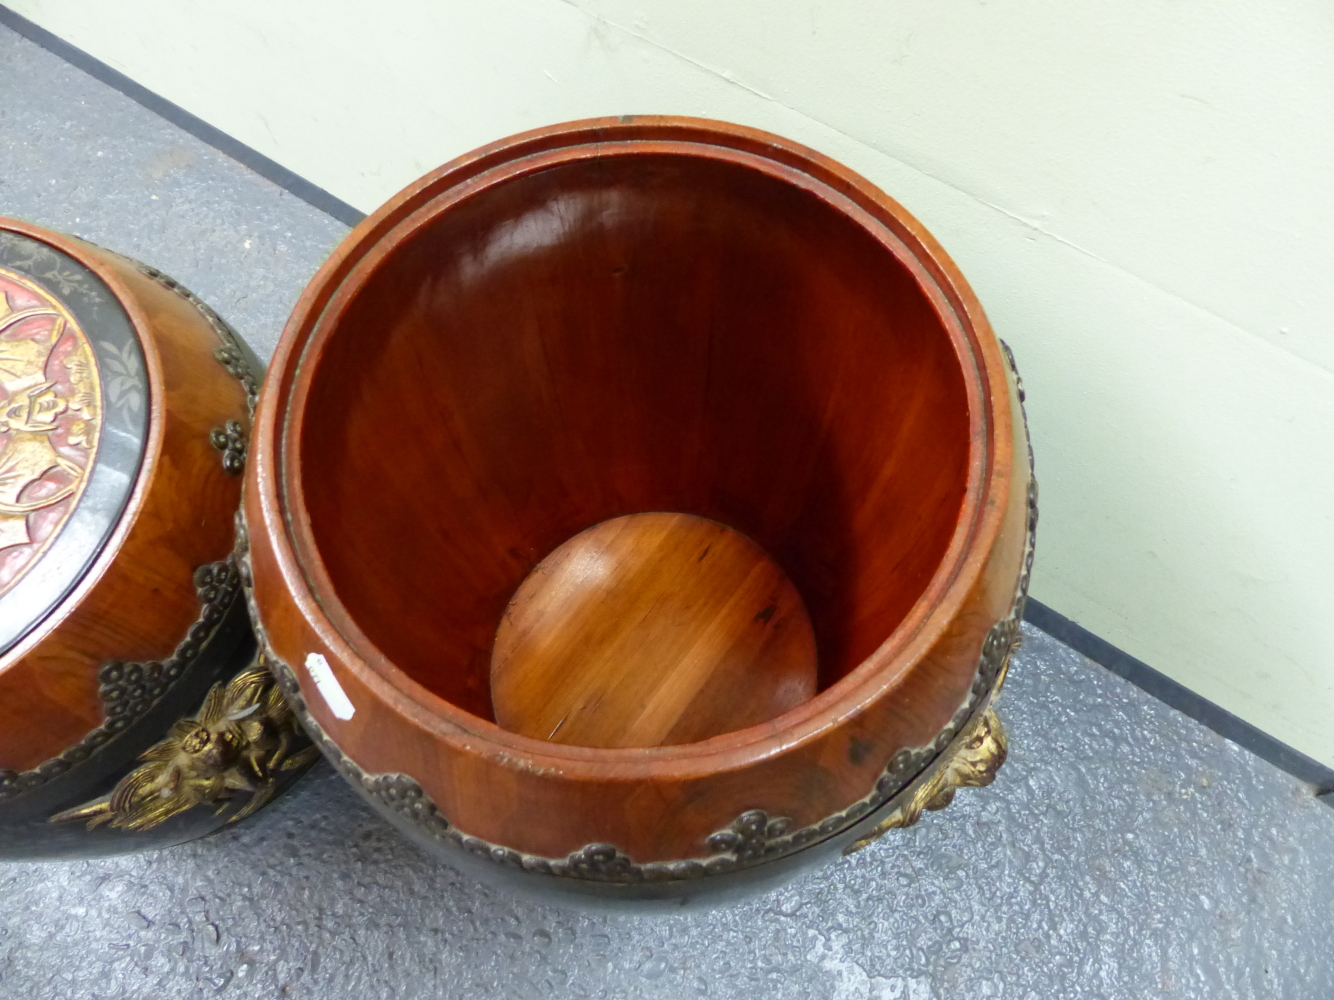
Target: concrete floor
x,y
1124,852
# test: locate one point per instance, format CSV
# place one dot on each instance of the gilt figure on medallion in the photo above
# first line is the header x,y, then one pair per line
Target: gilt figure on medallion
x,y
50,409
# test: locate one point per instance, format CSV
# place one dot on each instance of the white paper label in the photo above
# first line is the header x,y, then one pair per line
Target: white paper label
x,y
334,695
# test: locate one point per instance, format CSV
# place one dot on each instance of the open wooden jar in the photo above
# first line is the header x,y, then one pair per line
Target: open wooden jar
x,y
610,318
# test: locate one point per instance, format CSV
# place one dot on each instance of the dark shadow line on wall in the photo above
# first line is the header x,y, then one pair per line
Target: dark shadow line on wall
x,y
1054,624
178,116
1184,700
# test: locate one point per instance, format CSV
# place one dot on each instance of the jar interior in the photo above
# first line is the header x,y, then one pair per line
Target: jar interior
x,y
620,334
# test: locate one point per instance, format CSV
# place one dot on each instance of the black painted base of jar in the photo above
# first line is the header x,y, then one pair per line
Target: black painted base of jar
x,y
712,890
26,830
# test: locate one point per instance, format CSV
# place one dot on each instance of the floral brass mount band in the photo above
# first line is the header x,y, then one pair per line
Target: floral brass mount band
x,y
129,690
750,839
966,752
230,438
230,355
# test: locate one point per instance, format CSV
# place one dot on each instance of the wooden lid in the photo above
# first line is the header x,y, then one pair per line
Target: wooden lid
x,y
73,425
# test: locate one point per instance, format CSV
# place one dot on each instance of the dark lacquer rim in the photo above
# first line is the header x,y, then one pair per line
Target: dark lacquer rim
x,y
991,438
114,490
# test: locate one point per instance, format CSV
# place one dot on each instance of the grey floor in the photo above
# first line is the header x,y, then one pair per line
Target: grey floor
x,y
1124,851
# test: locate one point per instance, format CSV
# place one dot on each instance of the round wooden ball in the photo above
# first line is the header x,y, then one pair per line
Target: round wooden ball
x,y
648,630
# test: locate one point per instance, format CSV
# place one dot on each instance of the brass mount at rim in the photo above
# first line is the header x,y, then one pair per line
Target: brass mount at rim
x,y
915,779
967,752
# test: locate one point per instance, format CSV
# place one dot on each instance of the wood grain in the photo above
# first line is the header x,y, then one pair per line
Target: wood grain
x,y
651,629
615,317
620,335
137,601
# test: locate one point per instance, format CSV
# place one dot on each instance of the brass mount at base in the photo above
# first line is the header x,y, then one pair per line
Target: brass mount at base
x,y
974,764
242,738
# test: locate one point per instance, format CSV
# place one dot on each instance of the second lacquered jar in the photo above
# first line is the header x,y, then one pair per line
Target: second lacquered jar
x,y
131,713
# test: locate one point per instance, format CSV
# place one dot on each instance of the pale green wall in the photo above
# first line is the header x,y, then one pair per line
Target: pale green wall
x,y
1141,191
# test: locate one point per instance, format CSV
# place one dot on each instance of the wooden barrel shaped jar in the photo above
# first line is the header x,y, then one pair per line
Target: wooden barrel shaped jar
x,y
635,316
131,715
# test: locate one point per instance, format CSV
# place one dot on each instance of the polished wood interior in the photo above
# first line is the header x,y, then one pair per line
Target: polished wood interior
x,y
620,334
607,318
651,629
